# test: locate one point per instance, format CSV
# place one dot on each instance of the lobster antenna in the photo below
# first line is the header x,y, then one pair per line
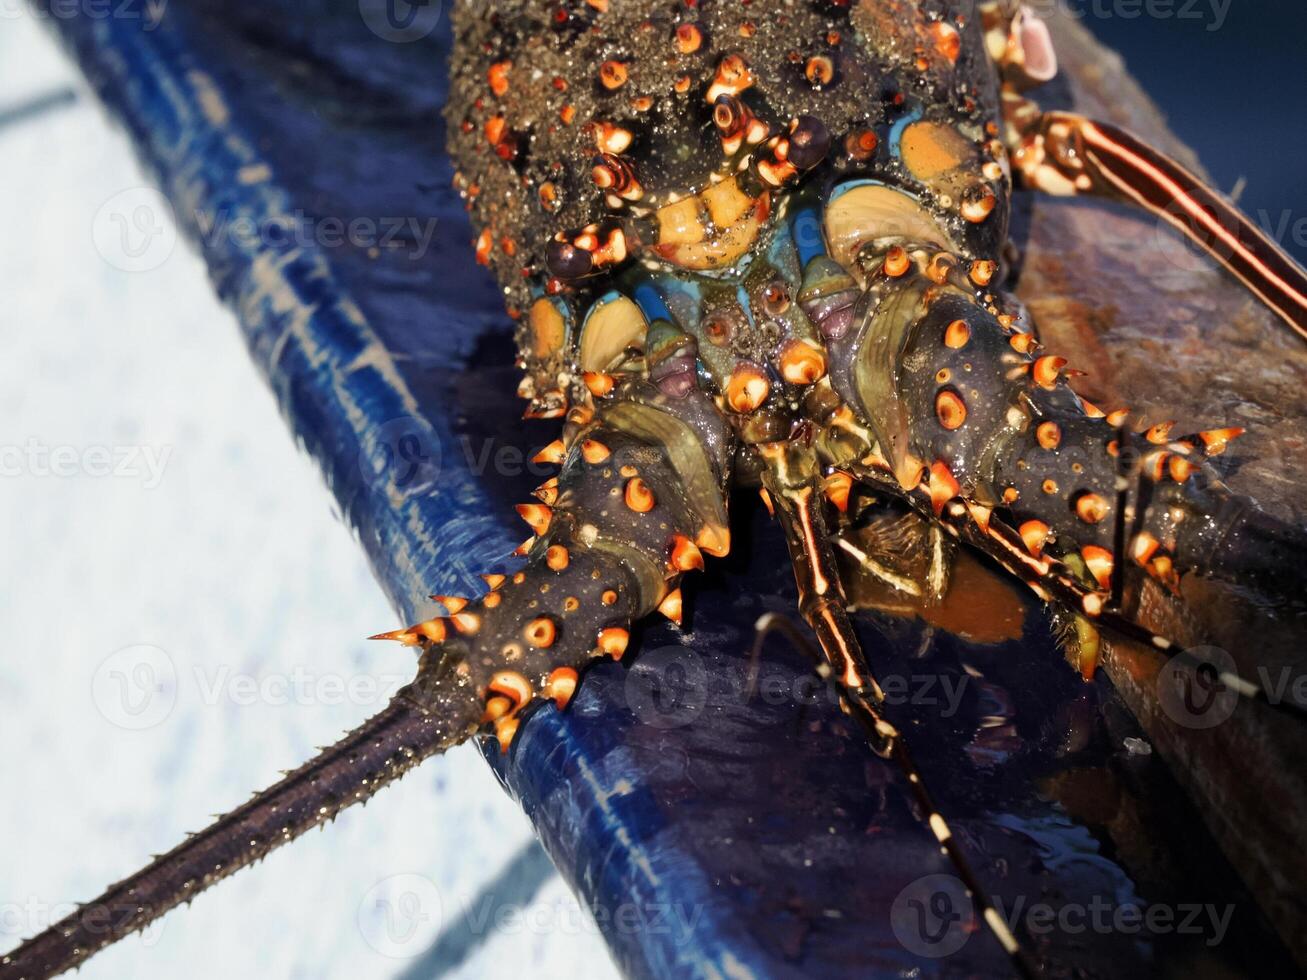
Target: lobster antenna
x,y
791,483
382,749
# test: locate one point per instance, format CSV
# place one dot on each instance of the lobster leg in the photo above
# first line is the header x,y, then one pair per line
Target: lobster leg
x,y
791,478
640,485
1066,154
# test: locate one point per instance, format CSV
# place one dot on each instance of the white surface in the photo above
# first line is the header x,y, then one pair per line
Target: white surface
x,y
221,569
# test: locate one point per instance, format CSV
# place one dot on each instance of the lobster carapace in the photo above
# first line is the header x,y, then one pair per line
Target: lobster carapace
x,y
764,244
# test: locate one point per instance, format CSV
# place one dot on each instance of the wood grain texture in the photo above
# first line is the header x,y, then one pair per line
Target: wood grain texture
x,y
1167,332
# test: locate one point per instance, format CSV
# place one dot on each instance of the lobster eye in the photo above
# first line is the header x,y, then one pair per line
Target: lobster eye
x,y
776,298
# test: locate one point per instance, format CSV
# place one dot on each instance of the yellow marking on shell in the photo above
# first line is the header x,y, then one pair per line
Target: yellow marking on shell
x,y
430,631
897,262
594,452
1143,547
871,211
726,203
492,600
732,78
1091,508
496,708
803,362
671,606
946,41
1180,468
943,486
599,384
466,623
837,488
1023,343
1099,561
561,685
609,598
1034,534
982,271
453,603
610,328
552,454
537,516
637,496
506,731
950,409
1000,930
1215,441
981,515
956,334
1160,433
540,632
612,641
977,205
513,686
680,223
685,554
612,75
908,471
939,828
557,557
494,581
688,38
711,229
1046,370
931,150
548,328
715,540
1048,435
747,388
546,493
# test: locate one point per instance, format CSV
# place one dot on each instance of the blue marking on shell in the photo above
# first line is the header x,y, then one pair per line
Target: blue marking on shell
x,y
783,255
745,308
651,302
807,235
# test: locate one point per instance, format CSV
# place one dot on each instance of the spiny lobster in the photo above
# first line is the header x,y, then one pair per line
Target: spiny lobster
x,y
737,264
